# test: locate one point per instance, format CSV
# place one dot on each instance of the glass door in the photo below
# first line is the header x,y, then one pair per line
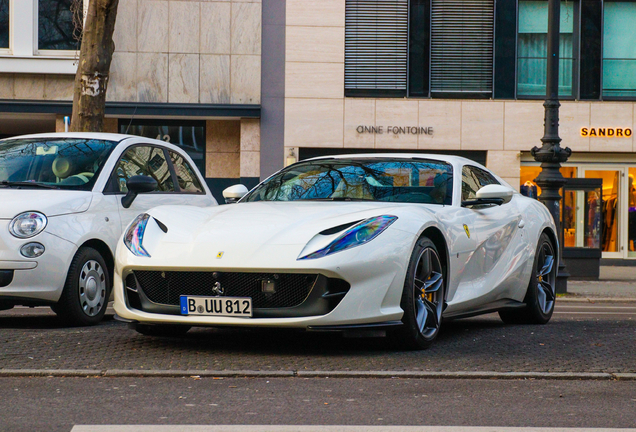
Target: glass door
x,y
611,209
631,213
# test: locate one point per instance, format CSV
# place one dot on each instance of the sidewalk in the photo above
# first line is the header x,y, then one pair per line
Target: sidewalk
x,y
615,283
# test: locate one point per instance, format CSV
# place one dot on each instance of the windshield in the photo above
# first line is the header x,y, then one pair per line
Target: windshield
x,y
67,163
392,180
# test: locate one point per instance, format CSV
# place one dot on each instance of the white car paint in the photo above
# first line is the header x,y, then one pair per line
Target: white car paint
x,y
489,262
74,218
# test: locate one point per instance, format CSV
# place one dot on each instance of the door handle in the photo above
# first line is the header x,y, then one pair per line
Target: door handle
x,y
522,223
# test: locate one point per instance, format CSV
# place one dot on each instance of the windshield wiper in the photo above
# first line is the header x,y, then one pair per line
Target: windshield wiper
x,y
27,184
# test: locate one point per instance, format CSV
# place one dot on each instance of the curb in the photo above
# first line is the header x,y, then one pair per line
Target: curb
x,y
125,373
596,299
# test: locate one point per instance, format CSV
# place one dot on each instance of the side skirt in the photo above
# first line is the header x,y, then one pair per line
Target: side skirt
x,y
485,309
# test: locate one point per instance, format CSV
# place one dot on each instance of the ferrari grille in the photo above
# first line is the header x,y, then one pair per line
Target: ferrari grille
x,y
166,287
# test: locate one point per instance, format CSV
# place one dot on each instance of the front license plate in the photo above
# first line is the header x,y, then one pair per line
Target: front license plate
x,y
216,306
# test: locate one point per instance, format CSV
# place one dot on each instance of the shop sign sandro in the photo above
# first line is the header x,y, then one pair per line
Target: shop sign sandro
x,y
606,132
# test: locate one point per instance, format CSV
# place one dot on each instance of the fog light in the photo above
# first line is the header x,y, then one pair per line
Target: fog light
x,y
268,286
32,250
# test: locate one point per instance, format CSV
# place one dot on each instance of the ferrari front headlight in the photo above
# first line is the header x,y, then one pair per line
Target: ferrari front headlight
x,y
134,237
357,235
27,224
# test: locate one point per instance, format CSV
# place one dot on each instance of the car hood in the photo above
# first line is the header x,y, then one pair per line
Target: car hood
x,y
49,202
258,223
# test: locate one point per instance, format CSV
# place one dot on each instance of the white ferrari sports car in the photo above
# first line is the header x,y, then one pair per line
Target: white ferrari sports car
x,y
380,242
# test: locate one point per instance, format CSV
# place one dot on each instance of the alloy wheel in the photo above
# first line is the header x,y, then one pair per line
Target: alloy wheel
x,y
546,278
428,283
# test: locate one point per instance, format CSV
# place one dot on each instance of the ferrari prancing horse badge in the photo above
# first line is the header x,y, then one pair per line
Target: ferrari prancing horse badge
x,y
467,230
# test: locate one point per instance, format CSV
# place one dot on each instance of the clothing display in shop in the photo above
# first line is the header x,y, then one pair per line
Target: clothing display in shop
x,y
529,189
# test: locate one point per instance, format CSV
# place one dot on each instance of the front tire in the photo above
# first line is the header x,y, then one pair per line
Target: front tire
x,y
422,298
541,294
87,289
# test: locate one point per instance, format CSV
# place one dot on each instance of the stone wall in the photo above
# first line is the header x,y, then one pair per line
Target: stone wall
x,y
179,51
187,51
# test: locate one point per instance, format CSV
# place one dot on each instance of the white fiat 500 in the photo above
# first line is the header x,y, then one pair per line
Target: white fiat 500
x,y
65,200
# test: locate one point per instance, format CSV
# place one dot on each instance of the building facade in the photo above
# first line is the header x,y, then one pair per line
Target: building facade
x,y
248,86
183,71
468,77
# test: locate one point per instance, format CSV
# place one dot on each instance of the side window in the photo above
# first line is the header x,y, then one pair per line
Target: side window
x,y
187,178
144,160
474,179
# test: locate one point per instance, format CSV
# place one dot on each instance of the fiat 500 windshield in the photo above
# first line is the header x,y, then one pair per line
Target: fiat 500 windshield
x,y
396,180
52,164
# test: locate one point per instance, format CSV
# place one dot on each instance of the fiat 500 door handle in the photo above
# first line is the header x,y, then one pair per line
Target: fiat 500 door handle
x,y
522,223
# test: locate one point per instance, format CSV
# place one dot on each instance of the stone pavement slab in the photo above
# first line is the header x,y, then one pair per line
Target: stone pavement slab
x,y
568,344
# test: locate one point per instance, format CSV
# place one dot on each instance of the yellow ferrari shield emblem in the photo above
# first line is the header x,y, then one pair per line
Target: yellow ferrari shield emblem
x,y
219,255
467,230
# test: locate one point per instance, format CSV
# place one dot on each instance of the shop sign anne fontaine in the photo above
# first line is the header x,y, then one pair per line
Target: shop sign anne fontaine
x,y
395,130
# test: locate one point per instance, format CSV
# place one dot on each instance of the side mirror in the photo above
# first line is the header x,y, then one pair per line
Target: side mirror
x,y
136,185
234,193
491,194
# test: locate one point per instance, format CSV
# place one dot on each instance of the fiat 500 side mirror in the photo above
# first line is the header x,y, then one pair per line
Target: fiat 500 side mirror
x,y
234,193
136,185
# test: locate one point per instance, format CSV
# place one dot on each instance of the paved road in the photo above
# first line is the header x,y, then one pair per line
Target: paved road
x,y
56,404
582,337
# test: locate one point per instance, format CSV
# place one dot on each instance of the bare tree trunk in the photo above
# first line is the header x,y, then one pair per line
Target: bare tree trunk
x,y
96,53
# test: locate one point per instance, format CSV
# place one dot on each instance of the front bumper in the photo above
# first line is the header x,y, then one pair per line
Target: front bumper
x,y
375,276
37,281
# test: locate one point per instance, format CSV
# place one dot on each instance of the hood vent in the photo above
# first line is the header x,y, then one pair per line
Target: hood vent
x,y
339,228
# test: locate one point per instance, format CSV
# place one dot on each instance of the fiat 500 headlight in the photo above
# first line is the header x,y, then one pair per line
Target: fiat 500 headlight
x,y
27,224
357,235
134,237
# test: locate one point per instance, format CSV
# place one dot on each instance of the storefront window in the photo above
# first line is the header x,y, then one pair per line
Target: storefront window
x,y
189,135
528,173
619,49
582,217
609,239
631,215
4,24
59,24
533,48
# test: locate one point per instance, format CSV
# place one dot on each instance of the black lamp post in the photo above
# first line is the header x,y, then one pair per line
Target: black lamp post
x,y
551,155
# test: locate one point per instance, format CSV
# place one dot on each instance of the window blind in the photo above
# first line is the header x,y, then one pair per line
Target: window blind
x,y
462,46
376,40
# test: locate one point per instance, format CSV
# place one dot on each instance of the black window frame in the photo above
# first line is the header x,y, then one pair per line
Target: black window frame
x,y
5,26
112,187
603,97
124,125
576,55
76,34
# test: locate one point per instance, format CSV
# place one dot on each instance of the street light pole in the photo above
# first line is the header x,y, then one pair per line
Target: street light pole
x,y
551,155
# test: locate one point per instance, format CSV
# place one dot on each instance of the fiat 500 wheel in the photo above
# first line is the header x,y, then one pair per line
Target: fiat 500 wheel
x,y
86,291
422,297
541,293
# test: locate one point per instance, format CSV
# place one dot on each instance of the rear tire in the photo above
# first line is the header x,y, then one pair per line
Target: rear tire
x,y
162,330
87,289
541,295
422,298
